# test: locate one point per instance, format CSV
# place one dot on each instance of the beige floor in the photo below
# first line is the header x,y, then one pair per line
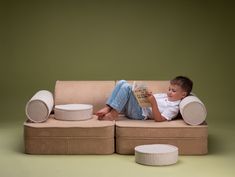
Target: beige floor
x,y
13,162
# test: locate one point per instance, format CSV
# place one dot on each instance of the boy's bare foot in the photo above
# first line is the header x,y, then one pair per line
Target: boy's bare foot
x,y
112,115
102,112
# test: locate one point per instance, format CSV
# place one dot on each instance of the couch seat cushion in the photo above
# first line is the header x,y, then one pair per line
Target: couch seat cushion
x,y
69,137
189,139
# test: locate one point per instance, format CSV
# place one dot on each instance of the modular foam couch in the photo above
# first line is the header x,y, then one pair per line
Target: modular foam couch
x,y
49,135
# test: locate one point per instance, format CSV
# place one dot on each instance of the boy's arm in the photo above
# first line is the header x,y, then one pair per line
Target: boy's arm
x,y
155,111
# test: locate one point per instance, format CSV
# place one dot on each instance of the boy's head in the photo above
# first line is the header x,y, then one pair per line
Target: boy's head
x,y
179,88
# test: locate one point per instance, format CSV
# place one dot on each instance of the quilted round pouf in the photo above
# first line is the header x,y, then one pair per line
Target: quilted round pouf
x,y
193,110
39,107
156,154
73,111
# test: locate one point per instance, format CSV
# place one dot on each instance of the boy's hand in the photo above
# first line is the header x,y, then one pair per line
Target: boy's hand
x,y
150,97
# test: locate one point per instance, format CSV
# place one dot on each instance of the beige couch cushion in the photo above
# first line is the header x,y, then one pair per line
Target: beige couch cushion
x,y
189,139
95,93
69,137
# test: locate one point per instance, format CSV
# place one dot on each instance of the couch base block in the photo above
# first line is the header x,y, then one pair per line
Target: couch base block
x,y
187,146
68,145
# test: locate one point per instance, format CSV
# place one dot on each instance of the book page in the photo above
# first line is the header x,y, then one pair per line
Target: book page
x,y
140,89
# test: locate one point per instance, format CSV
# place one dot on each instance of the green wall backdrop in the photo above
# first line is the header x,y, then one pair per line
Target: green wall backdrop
x,y
42,41
45,41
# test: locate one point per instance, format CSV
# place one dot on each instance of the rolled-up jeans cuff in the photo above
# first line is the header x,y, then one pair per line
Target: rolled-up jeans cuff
x,y
114,106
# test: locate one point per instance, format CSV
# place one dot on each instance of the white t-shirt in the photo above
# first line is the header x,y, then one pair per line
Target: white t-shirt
x,y
168,109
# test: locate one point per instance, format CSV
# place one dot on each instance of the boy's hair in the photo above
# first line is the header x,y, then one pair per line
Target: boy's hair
x,y
184,82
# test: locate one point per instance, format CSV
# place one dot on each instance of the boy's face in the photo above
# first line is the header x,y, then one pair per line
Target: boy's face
x,y
175,92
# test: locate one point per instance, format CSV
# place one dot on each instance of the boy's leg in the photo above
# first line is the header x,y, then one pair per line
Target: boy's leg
x,y
132,108
112,115
115,91
120,96
125,102
102,112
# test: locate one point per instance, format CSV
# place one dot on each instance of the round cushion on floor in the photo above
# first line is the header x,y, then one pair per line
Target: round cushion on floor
x,y
192,110
73,111
39,107
156,154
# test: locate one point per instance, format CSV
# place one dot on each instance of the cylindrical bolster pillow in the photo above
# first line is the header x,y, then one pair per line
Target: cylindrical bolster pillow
x,y
193,110
39,106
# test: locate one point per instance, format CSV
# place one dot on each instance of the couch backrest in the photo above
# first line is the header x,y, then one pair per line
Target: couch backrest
x,y
85,92
155,86
94,92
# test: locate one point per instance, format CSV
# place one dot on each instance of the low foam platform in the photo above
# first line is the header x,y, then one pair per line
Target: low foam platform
x,y
73,112
191,140
156,154
69,137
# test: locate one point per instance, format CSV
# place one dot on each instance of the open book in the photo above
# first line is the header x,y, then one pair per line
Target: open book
x,y
139,89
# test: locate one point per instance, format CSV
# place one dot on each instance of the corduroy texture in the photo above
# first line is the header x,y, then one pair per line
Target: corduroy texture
x,y
69,137
191,140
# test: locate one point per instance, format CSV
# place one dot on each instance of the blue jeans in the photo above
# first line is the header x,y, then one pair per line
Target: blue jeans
x,y
123,100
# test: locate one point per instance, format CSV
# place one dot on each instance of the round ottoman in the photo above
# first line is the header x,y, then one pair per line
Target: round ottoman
x,y
156,154
192,110
39,107
73,112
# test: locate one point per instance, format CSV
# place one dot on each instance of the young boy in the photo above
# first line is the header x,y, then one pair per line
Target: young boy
x,y
164,106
